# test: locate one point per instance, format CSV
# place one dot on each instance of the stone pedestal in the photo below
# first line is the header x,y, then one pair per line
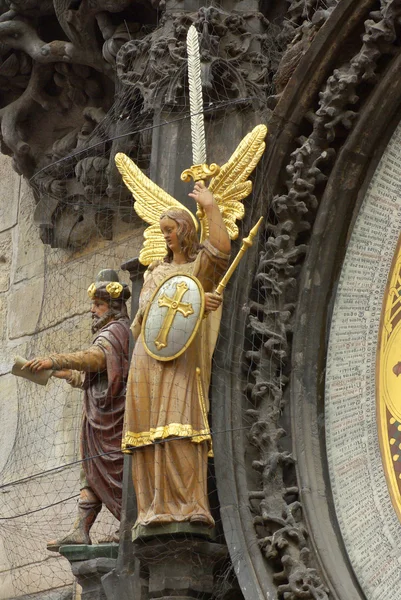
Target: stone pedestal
x,y
89,564
143,533
182,568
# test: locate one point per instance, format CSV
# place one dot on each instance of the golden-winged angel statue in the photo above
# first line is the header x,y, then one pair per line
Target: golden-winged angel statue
x,y
167,398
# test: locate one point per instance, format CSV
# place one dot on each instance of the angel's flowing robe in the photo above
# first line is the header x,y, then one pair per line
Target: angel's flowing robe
x,y
166,427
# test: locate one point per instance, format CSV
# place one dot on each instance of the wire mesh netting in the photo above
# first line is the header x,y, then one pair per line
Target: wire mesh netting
x,y
41,476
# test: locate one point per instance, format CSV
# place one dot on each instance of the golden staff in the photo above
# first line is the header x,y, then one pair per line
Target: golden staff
x,y
246,243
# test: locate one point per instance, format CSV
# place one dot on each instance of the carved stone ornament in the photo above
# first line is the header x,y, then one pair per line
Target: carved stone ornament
x,y
232,56
57,76
312,126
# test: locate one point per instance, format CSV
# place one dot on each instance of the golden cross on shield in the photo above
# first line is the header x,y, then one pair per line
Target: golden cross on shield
x,y
174,305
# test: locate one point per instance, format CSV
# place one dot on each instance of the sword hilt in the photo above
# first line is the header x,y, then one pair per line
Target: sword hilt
x,y
200,172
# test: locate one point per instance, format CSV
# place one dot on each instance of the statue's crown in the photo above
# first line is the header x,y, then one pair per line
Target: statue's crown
x,y
107,287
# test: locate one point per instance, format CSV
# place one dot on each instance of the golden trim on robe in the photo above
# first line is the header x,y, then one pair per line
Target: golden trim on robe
x,y
132,440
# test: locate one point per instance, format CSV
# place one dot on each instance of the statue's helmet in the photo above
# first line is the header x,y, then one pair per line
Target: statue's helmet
x,y
107,287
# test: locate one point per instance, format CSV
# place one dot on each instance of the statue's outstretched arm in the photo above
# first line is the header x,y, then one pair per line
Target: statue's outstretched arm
x,y
74,378
91,360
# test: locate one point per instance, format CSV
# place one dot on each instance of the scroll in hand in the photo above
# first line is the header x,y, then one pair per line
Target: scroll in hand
x,y
40,377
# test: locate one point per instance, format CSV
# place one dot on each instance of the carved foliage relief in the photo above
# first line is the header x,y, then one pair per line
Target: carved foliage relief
x,y
277,511
57,81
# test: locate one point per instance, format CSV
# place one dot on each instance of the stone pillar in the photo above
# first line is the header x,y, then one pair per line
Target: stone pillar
x,y
128,512
180,568
136,271
89,573
89,564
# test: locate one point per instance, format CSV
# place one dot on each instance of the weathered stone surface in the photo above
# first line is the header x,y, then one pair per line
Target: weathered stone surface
x,y
9,194
8,416
4,566
24,306
56,95
63,300
5,260
64,593
3,316
48,437
6,585
69,335
32,578
89,574
10,349
179,566
29,248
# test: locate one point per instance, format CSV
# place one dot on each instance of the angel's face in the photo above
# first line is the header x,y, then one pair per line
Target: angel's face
x,y
169,230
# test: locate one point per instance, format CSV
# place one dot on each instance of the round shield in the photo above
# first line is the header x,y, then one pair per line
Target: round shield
x,y
173,316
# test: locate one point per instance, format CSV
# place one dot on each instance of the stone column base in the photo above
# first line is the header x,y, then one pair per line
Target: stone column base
x,y
181,568
89,564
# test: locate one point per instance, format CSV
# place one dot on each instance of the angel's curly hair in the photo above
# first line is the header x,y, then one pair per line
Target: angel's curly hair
x,y
186,234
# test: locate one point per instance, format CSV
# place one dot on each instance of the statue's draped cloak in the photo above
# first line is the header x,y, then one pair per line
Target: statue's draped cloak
x,y
103,415
163,403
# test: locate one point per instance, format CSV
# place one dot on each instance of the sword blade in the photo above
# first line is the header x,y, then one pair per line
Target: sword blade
x,y
195,98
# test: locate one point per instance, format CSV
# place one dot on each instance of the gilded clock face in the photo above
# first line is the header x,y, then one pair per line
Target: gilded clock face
x,y
363,391
388,382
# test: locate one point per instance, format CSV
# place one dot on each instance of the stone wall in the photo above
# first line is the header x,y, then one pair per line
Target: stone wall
x,y
43,307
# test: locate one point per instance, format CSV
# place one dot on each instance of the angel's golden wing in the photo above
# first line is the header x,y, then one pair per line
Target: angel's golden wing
x,y
230,186
150,202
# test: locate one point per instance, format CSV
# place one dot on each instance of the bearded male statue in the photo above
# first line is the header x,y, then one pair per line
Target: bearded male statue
x,y
101,371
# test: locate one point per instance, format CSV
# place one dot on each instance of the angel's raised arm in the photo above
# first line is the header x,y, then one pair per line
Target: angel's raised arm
x,y
218,234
